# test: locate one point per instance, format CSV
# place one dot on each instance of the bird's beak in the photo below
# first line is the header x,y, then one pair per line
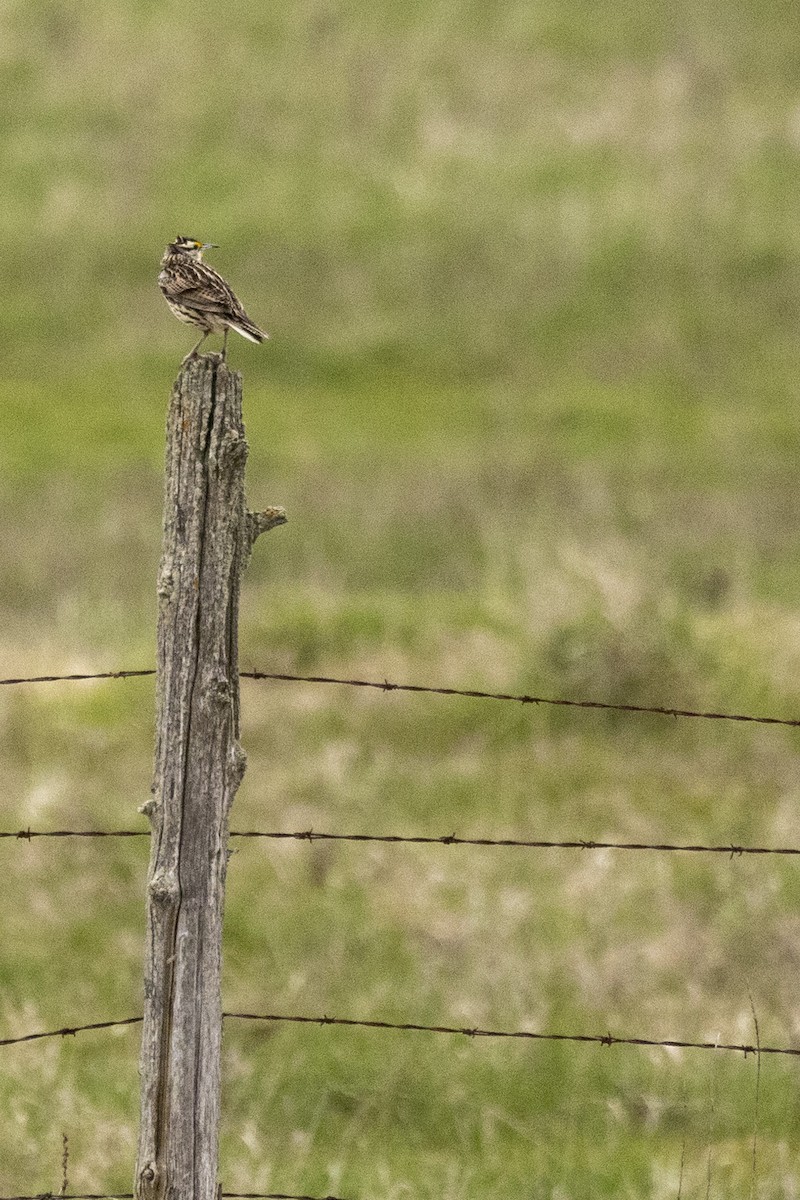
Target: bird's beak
x,y
210,246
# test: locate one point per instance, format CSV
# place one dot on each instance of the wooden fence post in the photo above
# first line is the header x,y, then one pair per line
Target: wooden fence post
x,y
208,535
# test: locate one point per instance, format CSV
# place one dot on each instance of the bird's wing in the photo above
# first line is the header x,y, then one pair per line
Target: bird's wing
x,y
197,285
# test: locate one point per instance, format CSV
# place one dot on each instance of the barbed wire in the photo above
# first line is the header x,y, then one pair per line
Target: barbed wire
x,y
69,1031
426,689
600,1039
733,850
77,678
474,694
453,839
27,835
130,1196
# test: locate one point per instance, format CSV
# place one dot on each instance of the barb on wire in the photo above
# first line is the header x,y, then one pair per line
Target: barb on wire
x,y
733,850
601,1039
426,689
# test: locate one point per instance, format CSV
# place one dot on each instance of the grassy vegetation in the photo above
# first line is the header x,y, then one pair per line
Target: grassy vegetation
x,y
531,275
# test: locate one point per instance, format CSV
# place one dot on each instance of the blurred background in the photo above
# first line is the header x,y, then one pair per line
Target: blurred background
x,y
530,272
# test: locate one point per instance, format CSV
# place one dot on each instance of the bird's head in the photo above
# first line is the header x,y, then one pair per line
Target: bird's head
x,y
190,247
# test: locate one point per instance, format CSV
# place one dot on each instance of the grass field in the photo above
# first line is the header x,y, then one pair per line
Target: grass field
x,y
530,406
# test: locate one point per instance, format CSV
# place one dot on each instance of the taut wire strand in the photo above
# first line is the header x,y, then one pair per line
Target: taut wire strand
x,y
600,1039
129,1196
427,689
733,850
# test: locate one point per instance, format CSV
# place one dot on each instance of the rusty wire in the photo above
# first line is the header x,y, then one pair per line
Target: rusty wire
x,y
600,1039
474,694
426,689
452,839
27,835
129,1196
69,1031
733,850
76,678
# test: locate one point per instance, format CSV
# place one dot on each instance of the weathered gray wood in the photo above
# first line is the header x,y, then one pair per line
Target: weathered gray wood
x,y
208,535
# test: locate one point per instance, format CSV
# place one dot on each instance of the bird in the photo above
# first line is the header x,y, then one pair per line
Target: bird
x,y
198,295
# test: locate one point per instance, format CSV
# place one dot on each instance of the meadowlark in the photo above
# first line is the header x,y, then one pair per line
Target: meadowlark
x,y
198,295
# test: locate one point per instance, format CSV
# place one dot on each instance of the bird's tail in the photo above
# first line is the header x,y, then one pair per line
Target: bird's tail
x,y
246,329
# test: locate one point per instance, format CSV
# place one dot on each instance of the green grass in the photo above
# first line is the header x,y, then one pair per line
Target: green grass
x,y
547,565
530,403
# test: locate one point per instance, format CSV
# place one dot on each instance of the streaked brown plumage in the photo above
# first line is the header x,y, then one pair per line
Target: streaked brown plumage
x,y
198,295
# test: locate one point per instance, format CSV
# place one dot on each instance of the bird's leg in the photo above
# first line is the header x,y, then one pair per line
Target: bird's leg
x,y
224,343
193,352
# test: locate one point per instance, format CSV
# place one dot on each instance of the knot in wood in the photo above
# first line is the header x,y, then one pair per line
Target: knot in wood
x,y
219,689
166,581
165,891
237,765
267,518
146,1182
234,446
